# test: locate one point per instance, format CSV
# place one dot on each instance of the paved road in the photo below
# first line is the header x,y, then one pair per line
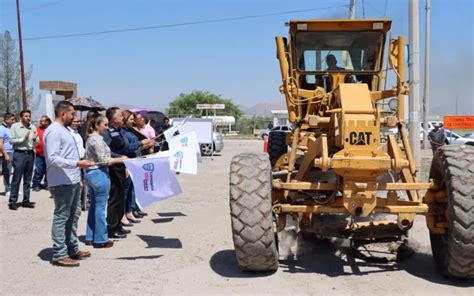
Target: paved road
x,y
184,246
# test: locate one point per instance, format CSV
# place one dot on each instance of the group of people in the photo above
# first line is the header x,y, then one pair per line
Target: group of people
x,y
22,155
87,159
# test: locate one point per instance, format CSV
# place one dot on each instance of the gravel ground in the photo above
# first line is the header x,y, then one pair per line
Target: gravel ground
x,y
184,246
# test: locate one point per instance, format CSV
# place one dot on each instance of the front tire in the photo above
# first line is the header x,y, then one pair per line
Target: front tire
x,y
453,171
276,146
251,212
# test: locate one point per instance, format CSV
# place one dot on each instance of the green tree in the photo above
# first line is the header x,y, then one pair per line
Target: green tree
x,y
246,125
10,81
185,104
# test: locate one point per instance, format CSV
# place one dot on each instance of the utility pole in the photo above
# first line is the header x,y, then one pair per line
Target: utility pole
x,y
414,96
426,86
363,9
351,16
22,67
352,9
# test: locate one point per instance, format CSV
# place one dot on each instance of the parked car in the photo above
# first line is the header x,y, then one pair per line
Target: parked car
x,y
394,130
283,128
218,144
454,138
469,135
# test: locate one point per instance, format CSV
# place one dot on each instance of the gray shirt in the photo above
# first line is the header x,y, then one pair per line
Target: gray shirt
x,y
62,154
437,137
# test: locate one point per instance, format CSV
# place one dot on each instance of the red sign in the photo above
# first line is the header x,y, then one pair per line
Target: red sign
x,y
458,122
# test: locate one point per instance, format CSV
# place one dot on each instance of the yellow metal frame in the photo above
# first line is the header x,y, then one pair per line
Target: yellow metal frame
x,y
329,129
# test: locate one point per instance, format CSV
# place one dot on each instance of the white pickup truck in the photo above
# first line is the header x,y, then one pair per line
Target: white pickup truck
x,y
452,137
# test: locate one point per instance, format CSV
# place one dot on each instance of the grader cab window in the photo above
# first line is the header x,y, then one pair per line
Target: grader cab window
x,y
338,51
358,53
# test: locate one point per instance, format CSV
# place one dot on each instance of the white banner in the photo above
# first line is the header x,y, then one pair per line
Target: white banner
x,y
184,153
168,154
174,130
153,179
203,128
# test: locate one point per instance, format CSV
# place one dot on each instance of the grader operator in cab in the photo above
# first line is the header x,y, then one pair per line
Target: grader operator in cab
x,y
333,173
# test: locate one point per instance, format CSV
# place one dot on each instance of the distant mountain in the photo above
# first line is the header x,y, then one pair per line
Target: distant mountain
x,y
263,108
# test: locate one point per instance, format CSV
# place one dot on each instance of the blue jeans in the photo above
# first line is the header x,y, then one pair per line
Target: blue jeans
x,y
130,204
7,167
22,168
67,211
99,186
40,171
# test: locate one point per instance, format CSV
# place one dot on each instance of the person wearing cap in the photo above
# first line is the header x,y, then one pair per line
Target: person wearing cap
x,y
437,137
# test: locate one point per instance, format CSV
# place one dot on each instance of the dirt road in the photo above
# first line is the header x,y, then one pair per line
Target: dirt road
x,y
184,246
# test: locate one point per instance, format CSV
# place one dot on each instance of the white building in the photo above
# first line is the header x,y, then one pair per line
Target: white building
x,y
280,117
225,121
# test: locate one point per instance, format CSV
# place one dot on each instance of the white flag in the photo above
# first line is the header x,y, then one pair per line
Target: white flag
x,y
152,179
169,133
172,131
166,154
184,155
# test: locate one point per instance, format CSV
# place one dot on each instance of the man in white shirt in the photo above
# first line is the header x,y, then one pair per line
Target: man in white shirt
x,y
63,163
74,129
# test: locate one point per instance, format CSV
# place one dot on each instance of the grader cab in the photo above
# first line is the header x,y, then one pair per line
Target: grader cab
x,y
336,173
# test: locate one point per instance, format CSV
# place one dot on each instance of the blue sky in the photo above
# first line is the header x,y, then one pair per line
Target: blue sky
x,y
235,59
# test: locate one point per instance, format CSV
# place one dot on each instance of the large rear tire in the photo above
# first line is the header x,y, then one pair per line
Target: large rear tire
x,y
251,212
276,146
453,170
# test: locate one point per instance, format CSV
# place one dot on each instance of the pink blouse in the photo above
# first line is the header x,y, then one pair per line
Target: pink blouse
x,y
148,131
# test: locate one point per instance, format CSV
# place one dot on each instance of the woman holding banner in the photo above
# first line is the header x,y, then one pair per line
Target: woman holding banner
x,y
98,181
138,145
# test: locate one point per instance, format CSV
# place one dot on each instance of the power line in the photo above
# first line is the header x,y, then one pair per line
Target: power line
x,y
237,18
43,5
374,8
36,7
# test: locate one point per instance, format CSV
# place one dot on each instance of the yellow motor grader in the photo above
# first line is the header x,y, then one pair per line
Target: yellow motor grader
x,y
337,173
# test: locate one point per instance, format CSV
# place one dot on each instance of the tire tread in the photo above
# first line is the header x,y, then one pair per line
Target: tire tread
x,y
454,252
251,212
276,146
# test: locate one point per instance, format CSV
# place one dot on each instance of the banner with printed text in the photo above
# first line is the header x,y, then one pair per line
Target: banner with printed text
x,y
153,179
184,154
